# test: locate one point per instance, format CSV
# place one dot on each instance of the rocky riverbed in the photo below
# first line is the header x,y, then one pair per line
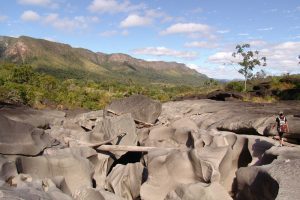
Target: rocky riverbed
x,y
138,148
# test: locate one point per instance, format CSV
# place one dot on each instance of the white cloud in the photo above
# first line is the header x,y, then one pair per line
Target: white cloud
x,y
187,28
3,18
222,57
156,13
202,44
192,30
163,51
69,24
30,15
281,58
135,20
265,29
257,43
113,6
219,71
223,31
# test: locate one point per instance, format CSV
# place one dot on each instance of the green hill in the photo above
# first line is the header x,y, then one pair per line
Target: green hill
x,y
64,61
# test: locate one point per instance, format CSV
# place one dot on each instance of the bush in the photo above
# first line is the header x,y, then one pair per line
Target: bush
x,y
234,86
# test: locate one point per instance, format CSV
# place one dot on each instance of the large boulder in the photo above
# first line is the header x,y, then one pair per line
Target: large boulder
x,y
142,108
272,181
119,130
125,180
203,191
7,168
166,171
76,172
37,118
20,138
25,187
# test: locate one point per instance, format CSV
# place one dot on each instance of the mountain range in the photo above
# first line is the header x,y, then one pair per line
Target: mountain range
x,y
65,61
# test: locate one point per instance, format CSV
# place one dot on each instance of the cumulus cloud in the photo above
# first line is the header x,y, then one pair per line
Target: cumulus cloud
x,y
202,44
192,30
163,51
281,58
221,57
30,15
135,20
219,71
113,6
148,17
257,43
187,28
69,24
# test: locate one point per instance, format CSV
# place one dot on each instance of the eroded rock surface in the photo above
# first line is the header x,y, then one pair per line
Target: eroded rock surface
x,y
200,148
21,138
142,108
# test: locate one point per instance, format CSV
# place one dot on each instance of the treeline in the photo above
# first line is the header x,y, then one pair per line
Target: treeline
x,y
20,84
268,88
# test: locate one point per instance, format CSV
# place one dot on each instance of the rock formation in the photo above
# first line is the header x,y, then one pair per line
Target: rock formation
x,y
184,150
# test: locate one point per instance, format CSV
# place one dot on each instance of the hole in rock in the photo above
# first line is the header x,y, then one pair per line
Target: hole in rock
x,y
129,157
85,129
94,183
240,131
190,141
245,157
264,187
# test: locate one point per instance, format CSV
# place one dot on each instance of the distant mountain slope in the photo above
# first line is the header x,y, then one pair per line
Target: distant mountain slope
x,y
64,61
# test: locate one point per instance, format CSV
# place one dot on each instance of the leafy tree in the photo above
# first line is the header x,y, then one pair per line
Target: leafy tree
x,y
250,59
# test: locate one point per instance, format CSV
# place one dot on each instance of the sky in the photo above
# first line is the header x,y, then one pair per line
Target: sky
x,y
199,33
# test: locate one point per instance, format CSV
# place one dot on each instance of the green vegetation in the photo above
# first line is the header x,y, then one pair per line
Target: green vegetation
x,y
268,88
21,84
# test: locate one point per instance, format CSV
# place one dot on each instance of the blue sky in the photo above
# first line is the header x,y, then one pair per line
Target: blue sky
x,y
200,33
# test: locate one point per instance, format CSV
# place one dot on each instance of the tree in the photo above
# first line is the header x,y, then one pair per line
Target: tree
x,y
249,60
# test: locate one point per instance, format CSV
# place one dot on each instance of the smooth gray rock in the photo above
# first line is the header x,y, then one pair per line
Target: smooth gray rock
x,y
37,118
24,187
276,180
238,117
212,191
125,180
20,138
76,171
142,108
7,168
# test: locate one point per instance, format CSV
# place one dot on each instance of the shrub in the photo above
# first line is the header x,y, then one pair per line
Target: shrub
x,y
234,86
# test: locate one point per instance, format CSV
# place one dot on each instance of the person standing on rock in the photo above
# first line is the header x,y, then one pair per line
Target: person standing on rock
x,y
282,126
